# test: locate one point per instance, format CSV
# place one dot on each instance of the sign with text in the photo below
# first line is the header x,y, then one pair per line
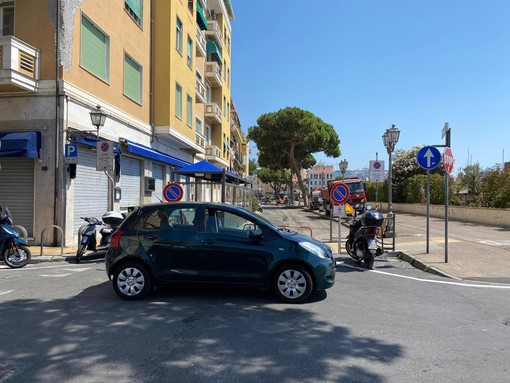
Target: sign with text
x,y
104,156
376,171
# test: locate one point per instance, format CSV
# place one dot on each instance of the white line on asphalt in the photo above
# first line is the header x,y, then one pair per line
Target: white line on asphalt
x,y
432,280
6,292
55,275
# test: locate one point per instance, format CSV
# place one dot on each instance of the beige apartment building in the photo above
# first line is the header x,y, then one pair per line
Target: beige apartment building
x,y
159,72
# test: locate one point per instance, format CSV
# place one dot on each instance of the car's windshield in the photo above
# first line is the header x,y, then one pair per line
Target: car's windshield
x,y
356,187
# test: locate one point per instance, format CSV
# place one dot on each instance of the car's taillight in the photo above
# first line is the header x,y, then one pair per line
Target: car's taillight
x,y
115,238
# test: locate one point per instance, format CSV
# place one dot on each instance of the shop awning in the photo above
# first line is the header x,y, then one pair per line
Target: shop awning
x,y
92,142
20,144
213,50
201,20
154,154
208,171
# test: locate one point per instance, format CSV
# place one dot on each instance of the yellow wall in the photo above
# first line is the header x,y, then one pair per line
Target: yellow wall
x,y
125,37
171,66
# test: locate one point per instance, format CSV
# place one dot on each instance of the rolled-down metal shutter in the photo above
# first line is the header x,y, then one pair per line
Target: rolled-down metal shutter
x,y
130,180
90,188
157,173
17,190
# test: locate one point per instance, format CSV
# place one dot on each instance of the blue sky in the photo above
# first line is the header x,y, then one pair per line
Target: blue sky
x,y
363,65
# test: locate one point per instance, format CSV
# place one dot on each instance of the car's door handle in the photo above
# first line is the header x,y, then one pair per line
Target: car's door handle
x,y
150,237
208,242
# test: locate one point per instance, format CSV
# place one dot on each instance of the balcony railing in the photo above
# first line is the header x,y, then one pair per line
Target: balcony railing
x,y
200,92
213,73
212,152
200,139
201,43
19,65
214,32
213,112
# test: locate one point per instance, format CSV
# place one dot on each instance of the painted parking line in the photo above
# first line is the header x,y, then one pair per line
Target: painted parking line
x,y
462,284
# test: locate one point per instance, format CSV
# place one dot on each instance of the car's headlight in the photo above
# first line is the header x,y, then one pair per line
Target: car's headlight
x,y
314,249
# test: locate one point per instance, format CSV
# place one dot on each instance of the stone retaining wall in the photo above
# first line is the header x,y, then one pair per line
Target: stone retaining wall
x,y
497,217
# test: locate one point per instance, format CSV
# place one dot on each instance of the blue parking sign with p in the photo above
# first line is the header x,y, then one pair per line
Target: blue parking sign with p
x,y
71,153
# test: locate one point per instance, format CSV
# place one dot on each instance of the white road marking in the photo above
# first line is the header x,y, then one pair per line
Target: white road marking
x,y
6,292
432,280
55,275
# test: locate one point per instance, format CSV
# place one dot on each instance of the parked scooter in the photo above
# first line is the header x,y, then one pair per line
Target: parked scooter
x,y
14,251
110,222
362,244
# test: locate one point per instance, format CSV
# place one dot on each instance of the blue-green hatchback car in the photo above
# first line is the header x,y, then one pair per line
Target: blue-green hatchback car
x,y
209,243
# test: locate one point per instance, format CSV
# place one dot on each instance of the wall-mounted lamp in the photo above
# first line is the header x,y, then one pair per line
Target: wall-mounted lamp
x,y
98,118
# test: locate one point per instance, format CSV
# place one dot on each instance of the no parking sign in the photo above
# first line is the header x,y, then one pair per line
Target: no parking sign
x,y
173,192
339,193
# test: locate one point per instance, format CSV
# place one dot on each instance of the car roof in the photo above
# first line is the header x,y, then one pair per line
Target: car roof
x,y
194,204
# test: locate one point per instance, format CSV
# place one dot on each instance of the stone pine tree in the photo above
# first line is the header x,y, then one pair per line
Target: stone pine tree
x,y
288,138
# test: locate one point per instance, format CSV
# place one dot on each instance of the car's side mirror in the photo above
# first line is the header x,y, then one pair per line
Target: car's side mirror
x,y
255,235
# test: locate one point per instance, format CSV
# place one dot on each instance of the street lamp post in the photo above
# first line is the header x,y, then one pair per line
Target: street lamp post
x,y
390,139
343,167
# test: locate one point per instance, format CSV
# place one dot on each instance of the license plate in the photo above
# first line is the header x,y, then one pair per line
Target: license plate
x,y
372,244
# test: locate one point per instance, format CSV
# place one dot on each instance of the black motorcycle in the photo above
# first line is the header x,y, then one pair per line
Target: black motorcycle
x,y
362,244
88,241
14,251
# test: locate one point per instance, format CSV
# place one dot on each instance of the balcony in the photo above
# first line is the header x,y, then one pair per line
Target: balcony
x,y
213,113
200,139
213,154
19,66
213,73
200,43
200,92
214,32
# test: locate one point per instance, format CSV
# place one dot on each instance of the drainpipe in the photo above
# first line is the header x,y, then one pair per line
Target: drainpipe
x,y
58,169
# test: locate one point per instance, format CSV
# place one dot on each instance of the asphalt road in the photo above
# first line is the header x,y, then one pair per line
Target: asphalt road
x,y
62,322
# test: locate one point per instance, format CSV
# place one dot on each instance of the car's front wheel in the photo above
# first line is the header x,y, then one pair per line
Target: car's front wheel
x,y
292,283
132,281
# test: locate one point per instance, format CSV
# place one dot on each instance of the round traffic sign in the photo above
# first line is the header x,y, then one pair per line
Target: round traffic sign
x,y
448,160
173,192
339,193
428,157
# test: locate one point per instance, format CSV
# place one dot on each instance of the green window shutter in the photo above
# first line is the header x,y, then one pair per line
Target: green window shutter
x,y
178,101
136,6
94,50
132,79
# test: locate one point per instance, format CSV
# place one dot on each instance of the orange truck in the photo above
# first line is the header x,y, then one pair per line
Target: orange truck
x,y
357,192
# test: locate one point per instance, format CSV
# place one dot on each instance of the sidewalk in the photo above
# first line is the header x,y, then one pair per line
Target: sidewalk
x,y
475,252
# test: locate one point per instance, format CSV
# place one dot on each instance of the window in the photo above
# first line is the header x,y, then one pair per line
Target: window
x,y
198,126
190,6
132,79
207,135
6,18
95,50
190,51
189,111
178,36
178,101
224,106
135,9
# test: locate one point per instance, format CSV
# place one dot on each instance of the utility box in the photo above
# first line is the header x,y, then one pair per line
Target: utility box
x,y
150,184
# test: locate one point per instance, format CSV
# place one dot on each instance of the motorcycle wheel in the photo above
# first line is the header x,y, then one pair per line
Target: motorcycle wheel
x,y
17,258
368,261
348,247
79,253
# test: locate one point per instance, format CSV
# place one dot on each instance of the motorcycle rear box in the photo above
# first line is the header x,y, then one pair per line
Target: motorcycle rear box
x,y
112,218
372,218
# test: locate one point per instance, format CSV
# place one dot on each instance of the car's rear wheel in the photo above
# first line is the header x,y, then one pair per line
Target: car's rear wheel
x,y
292,283
132,281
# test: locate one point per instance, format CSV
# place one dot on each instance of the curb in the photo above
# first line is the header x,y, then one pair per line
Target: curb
x,y
420,265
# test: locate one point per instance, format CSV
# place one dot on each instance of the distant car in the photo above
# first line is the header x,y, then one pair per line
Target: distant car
x,y
210,243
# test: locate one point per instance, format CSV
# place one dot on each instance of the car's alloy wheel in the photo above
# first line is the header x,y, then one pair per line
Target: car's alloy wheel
x,y
132,281
292,283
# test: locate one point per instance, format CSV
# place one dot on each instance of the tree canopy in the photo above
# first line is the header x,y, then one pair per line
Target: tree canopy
x,y
288,138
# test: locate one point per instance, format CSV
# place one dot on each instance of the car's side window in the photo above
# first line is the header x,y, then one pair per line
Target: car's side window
x,y
169,218
233,224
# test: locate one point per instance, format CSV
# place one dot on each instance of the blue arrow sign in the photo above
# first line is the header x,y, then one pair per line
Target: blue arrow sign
x,y
428,157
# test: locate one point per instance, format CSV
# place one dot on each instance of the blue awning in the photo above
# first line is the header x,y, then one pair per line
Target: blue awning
x,y
154,154
92,142
208,171
20,144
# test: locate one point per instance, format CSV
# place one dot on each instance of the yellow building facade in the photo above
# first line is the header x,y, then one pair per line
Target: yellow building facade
x,y
159,72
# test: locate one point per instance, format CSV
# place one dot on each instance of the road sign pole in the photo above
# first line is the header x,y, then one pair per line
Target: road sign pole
x,y
428,210
340,232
